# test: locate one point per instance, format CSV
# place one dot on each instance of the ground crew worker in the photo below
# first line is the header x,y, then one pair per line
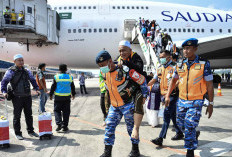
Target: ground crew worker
x,y
13,17
63,87
6,14
164,73
103,93
40,79
121,89
21,18
133,61
20,79
195,79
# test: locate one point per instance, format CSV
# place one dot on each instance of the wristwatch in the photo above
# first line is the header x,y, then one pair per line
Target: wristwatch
x,y
211,103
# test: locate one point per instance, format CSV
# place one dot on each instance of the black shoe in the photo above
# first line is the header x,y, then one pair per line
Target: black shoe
x,y
33,134
86,93
177,137
135,151
158,141
190,153
65,129
19,137
198,134
107,151
58,128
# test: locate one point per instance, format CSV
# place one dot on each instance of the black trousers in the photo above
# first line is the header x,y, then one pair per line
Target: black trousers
x,y
7,19
83,87
25,104
102,103
62,108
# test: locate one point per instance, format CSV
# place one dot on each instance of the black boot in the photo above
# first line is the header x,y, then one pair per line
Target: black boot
x,y
190,153
107,151
135,151
58,128
158,141
178,137
198,134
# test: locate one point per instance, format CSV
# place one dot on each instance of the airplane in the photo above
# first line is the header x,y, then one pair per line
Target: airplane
x,y
98,25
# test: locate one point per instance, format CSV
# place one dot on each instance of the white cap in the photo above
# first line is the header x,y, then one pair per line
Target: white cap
x,y
18,56
165,32
152,27
125,43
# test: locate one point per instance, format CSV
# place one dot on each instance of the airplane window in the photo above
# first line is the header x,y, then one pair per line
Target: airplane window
x,y
229,30
179,30
75,7
220,30
100,30
70,7
74,30
198,30
94,7
79,7
89,7
105,29
110,30
189,30
115,30
193,30
84,7
132,7
118,7
69,30
90,30
79,30
170,30
137,7
184,30
202,30
84,30
94,30
165,29
123,7
211,30
128,7
147,8
142,7
65,7
113,7
60,8
174,30
55,8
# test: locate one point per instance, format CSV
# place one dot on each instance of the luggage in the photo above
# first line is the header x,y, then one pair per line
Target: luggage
x,y
4,129
45,125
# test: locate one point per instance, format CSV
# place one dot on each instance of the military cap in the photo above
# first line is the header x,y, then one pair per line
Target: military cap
x,y
190,42
102,56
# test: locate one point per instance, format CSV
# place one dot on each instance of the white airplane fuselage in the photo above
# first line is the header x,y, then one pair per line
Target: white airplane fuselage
x,y
78,50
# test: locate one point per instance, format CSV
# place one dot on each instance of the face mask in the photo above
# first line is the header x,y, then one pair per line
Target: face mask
x,y
105,69
163,61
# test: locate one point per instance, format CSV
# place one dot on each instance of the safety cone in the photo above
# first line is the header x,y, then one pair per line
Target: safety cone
x,y
219,92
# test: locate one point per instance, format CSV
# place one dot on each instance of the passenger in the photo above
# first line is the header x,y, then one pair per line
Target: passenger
x,y
158,46
169,46
196,80
6,14
103,93
63,87
20,79
144,32
165,39
121,99
133,61
164,74
152,34
13,17
228,77
21,18
82,83
40,79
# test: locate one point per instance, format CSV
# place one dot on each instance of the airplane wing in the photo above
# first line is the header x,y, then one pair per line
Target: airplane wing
x,y
217,49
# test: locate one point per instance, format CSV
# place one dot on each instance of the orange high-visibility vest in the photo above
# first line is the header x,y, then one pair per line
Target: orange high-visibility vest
x,y
165,75
192,85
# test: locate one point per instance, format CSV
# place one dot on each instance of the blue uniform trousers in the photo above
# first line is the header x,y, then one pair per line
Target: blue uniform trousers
x,y
188,117
113,119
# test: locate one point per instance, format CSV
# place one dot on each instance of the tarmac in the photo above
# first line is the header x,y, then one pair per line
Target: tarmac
x,y
85,136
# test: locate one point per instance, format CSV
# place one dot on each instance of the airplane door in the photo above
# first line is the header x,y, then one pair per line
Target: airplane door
x,y
29,13
104,7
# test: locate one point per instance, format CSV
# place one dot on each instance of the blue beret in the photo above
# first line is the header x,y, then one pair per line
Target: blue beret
x,y
190,42
102,56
